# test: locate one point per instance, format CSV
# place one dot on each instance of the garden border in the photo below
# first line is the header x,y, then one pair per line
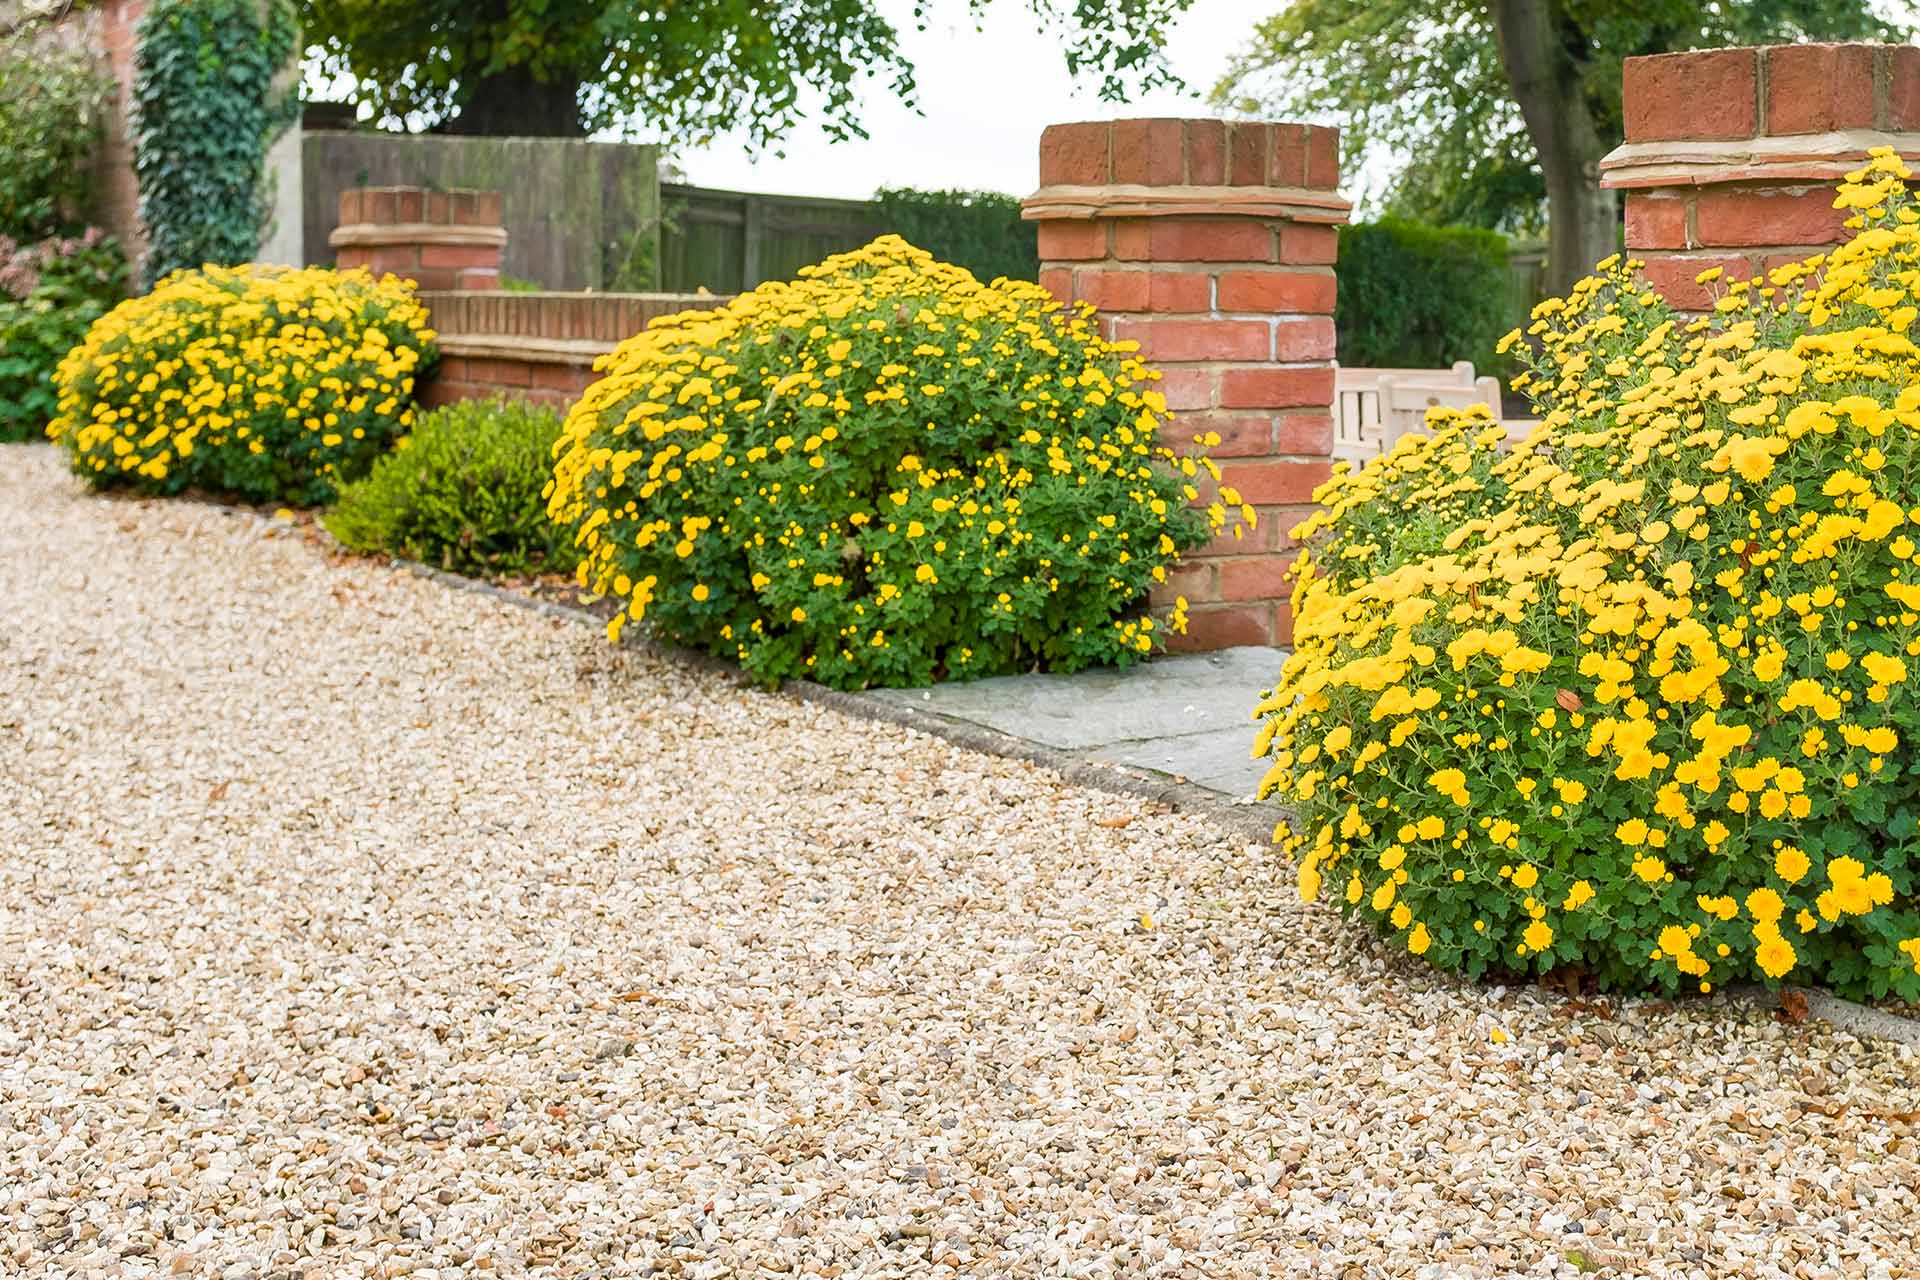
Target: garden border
x,y
1240,818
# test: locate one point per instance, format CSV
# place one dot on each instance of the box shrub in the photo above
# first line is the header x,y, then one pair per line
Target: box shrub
x,y
463,491
1416,296
979,230
269,383
52,98
1634,699
885,472
50,294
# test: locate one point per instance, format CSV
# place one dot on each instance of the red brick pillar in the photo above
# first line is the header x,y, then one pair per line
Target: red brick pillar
x,y
438,239
1732,155
1211,243
110,29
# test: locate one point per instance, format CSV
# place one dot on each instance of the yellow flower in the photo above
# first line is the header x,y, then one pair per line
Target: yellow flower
x,y
1538,936
1451,783
1764,905
1309,882
1790,863
1775,956
1675,940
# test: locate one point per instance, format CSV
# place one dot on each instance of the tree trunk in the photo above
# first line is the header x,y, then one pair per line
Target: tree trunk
x,y
512,103
1538,51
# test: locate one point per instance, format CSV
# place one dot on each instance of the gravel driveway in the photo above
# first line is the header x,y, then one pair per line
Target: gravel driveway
x,y
353,926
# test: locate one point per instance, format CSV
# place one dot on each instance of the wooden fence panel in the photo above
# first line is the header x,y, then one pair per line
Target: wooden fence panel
x,y
572,208
730,241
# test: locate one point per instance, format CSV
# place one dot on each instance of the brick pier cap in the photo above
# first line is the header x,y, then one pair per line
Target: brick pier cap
x,y
1731,155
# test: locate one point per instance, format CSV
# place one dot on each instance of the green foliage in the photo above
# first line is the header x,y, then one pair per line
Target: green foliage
x,y
51,99
884,472
268,383
1425,79
50,294
1421,297
979,230
205,108
633,259
463,492
687,71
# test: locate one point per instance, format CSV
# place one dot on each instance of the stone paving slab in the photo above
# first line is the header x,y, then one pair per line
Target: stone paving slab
x,y
1188,717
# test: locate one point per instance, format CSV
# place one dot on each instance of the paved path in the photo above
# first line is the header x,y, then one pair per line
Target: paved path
x,y
1186,716
355,926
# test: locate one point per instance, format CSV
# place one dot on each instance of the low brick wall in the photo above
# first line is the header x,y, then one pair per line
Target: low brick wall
x,y
535,346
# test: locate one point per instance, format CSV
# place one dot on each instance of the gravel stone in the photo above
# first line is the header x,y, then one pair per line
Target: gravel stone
x,y
325,888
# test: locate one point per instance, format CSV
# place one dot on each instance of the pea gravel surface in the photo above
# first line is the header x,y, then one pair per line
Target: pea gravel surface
x,y
356,926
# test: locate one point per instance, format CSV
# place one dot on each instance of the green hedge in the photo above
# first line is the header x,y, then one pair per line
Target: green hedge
x,y
1417,296
979,230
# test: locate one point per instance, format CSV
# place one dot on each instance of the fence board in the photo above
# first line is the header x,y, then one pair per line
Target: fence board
x,y
729,241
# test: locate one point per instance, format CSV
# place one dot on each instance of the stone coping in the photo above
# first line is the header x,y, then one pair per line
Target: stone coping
x,y
1297,204
1810,158
385,234
482,346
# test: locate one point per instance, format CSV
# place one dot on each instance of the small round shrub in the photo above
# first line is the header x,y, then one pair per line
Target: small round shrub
x,y
1636,700
885,472
463,491
268,383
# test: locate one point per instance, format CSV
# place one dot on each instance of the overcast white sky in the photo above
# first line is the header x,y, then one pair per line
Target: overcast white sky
x,y
984,97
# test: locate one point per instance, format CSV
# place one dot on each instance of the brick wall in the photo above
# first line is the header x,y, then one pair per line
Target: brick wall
x,y
1211,243
536,346
1731,155
109,29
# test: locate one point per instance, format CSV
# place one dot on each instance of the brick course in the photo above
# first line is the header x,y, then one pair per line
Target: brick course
x,y
1211,244
1707,184
437,239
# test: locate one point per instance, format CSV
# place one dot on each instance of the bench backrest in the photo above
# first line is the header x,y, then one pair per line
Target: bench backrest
x,y
1404,403
1357,429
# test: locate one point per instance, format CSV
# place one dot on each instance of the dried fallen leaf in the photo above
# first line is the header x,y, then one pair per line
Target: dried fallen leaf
x,y
1793,1006
218,791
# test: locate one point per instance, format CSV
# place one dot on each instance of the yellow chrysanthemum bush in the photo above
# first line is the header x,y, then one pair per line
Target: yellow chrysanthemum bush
x,y
1637,698
269,383
883,473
